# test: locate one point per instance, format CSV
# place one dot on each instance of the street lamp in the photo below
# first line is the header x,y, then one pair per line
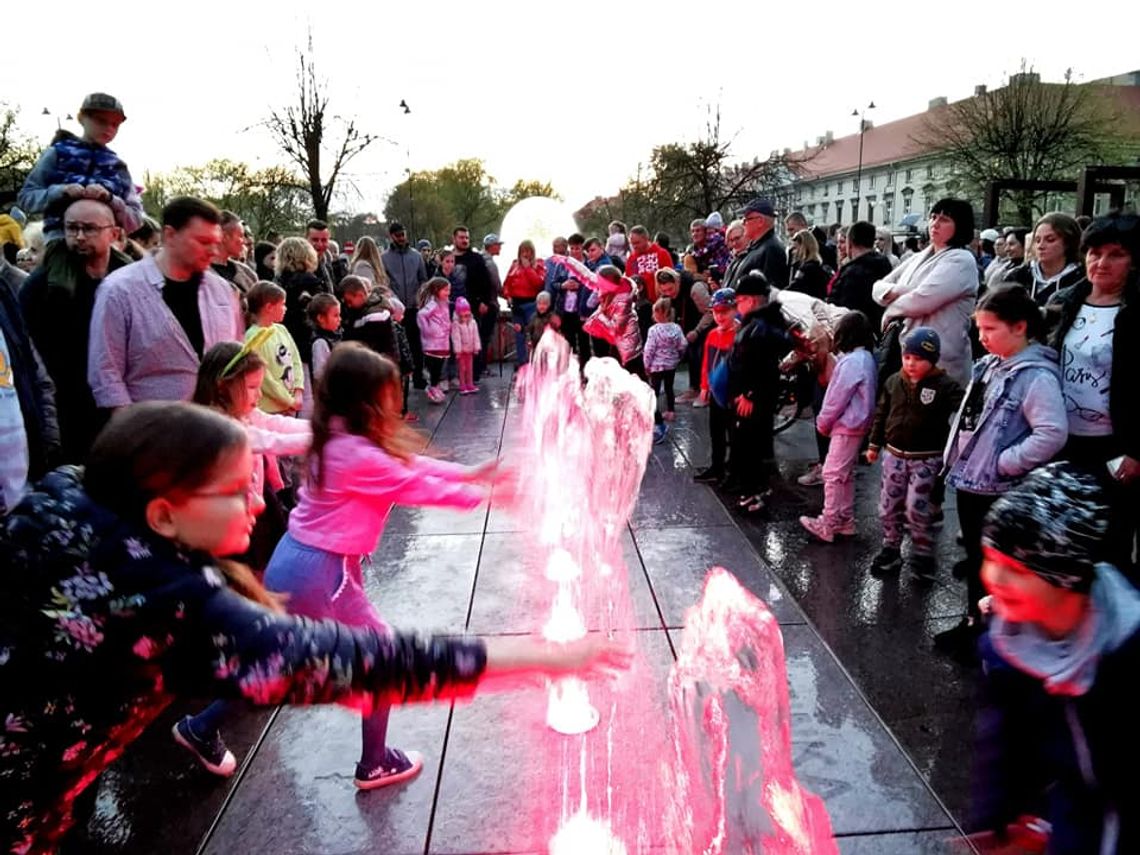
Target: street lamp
x,y
859,173
411,177
58,126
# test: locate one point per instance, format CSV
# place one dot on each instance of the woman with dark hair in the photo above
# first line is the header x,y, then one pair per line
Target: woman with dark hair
x,y
936,287
1056,263
265,260
1095,326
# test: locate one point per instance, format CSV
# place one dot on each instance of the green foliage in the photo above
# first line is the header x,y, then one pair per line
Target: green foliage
x,y
432,203
18,151
272,199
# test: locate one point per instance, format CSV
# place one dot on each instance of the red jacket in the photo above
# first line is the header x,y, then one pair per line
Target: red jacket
x,y
718,343
524,283
646,266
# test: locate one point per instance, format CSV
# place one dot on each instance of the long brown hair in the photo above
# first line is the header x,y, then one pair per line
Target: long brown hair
x,y
363,388
160,448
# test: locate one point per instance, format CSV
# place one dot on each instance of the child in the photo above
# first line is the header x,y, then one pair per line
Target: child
x,y
544,316
1012,420
911,424
230,381
718,343
362,463
114,600
72,168
664,347
324,317
283,390
845,417
434,322
465,342
367,316
1056,727
406,361
753,386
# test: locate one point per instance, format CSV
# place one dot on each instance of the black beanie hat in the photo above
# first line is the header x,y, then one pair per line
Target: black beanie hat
x,y
1054,523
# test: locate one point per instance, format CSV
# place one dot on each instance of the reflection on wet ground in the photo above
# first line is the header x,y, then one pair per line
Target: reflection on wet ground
x,y
448,571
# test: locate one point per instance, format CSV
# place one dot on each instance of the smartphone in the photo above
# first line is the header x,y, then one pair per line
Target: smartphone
x,y
1114,466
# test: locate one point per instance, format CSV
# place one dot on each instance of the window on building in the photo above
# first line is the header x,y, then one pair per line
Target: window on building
x,y
839,211
838,188
870,209
811,210
888,210
907,200
909,176
930,170
825,209
811,192
826,189
854,210
871,181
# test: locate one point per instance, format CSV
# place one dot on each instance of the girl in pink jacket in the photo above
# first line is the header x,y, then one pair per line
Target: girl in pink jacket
x,y
434,320
465,342
362,463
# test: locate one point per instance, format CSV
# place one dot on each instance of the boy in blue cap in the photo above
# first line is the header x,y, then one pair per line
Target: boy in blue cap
x,y
911,424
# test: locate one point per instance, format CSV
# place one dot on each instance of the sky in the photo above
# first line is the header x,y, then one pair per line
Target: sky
x,y
576,94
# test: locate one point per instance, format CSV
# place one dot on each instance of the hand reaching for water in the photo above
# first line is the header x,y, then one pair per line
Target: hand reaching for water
x,y
591,656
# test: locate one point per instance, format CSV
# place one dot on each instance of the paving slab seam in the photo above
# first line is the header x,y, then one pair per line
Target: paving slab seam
x,y
239,779
843,670
652,591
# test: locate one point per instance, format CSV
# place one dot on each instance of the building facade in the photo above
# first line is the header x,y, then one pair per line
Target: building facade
x,y
890,175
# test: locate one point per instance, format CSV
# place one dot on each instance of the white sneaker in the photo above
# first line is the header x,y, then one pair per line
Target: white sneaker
x,y
813,477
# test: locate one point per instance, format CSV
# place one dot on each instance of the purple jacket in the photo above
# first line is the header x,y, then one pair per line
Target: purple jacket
x,y
849,403
664,347
434,320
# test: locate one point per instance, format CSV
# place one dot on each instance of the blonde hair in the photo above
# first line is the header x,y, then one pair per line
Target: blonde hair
x,y
369,253
295,254
664,307
807,247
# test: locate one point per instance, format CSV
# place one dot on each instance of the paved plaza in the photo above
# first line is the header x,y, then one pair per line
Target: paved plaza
x,y
880,727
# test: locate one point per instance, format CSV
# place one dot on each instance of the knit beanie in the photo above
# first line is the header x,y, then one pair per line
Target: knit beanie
x,y
461,305
924,342
1053,522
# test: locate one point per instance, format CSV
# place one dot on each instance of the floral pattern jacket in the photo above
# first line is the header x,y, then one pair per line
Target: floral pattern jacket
x,y
103,622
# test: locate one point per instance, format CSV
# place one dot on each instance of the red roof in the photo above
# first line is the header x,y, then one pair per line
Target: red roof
x,y
896,141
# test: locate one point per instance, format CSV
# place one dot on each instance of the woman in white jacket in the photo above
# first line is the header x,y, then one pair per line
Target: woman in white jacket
x,y
938,287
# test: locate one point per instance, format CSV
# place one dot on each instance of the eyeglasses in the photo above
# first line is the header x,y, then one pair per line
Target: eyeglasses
x,y
84,228
752,217
245,495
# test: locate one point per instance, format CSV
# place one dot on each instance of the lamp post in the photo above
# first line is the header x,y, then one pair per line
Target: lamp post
x,y
411,176
859,173
58,125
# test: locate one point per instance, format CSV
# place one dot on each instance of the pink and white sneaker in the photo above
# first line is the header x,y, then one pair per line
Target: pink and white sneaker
x,y
819,528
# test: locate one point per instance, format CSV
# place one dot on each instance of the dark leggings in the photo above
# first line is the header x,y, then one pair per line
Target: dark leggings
x,y
637,366
656,379
972,510
435,367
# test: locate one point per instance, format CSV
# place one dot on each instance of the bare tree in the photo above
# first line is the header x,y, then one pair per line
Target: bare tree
x,y
302,129
1025,130
18,152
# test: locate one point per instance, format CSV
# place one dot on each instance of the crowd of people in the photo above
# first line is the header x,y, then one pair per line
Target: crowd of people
x,y
201,434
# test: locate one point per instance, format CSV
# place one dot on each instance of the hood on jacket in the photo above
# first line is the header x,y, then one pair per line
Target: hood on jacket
x,y
1034,356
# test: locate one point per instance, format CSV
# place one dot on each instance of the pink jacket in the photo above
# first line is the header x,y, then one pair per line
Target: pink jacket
x,y
465,336
361,484
434,320
269,436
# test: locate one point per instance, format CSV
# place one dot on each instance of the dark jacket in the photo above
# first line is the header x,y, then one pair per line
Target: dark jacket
x,y
102,622
754,362
914,420
1075,756
811,277
33,388
1123,402
852,288
372,326
300,286
57,300
474,279
406,273
766,254
1043,292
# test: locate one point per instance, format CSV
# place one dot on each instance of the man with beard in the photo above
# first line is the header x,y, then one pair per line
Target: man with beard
x,y
471,270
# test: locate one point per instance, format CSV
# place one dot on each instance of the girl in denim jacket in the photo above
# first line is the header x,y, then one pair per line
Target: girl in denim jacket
x,y
1011,421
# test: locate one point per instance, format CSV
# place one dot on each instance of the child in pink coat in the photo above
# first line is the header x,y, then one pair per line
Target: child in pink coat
x,y
465,343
